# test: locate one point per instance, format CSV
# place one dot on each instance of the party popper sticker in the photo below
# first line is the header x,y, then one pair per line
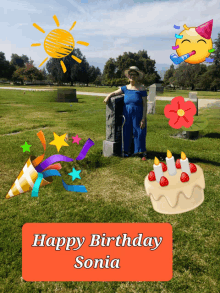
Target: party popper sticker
x,y
36,173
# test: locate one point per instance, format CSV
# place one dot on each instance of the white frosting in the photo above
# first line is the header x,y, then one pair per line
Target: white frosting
x,y
176,191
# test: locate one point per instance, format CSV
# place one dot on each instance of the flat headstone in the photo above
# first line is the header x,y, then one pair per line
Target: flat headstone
x,y
66,95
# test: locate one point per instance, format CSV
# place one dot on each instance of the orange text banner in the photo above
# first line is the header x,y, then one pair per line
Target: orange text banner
x,y
97,252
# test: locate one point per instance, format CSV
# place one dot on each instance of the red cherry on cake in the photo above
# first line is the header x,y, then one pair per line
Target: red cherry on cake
x,y
164,167
151,176
184,177
178,165
164,181
192,168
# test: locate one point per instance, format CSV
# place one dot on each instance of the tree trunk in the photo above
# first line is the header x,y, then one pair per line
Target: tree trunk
x,y
71,83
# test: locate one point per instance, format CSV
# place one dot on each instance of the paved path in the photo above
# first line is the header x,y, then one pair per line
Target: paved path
x,y
203,103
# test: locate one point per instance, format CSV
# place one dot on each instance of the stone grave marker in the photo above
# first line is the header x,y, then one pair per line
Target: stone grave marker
x,y
114,121
151,103
66,95
193,98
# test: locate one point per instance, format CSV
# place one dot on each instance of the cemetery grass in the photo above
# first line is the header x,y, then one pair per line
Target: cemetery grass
x,y
107,90
115,190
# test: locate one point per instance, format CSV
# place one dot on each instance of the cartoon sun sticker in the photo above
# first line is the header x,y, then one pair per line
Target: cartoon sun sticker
x,y
59,43
194,44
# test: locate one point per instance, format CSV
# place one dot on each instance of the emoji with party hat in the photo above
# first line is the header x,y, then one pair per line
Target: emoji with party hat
x,y
194,44
26,179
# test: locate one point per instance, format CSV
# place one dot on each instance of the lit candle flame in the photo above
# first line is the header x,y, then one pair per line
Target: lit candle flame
x,y
183,156
156,161
169,154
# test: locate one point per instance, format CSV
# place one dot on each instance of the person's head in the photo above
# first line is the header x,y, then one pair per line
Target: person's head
x,y
133,74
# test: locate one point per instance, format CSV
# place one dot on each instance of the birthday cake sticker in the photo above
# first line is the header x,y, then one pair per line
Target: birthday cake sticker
x,y
175,187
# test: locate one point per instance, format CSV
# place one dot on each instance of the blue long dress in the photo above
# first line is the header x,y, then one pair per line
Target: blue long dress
x,y
133,112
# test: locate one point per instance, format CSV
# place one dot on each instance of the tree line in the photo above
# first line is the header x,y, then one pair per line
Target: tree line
x,y
22,69
196,76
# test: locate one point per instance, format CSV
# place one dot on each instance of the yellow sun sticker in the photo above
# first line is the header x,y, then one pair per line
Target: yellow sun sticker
x,y
59,43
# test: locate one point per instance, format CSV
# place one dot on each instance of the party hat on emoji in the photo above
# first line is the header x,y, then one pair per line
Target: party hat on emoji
x,y
205,29
26,179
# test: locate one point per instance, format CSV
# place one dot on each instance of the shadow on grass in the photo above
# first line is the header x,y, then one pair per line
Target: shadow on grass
x,y
212,135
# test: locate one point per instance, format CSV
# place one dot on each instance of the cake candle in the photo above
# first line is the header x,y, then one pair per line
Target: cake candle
x,y
157,169
184,162
170,164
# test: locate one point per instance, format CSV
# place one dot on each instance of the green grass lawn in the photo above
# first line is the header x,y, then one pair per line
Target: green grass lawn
x,y
115,190
107,89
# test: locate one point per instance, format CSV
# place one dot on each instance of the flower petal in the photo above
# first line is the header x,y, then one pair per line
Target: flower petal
x,y
189,108
178,103
187,121
176,122
169,111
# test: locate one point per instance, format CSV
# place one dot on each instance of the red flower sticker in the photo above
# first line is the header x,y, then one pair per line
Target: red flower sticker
x,y
180,113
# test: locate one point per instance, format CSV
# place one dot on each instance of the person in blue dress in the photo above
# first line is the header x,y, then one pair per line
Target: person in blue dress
x,y
134,110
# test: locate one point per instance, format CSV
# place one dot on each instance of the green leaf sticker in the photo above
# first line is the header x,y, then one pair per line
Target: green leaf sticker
x,y
199,123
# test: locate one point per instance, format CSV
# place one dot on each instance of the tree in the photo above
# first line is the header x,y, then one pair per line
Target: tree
x,y
115,68
216,53
24,74
76,72
168,75
6,70
99,80
187,75
109,69
19,61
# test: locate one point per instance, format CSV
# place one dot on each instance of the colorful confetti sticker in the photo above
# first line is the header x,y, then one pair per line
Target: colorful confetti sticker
x,y
178,36
176,27
35,171
51,160
39,159
209,60
49,173
175,47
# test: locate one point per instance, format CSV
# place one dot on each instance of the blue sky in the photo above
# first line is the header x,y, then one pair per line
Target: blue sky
x,y
111,27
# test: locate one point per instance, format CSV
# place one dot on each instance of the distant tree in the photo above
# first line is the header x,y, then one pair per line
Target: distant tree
x,y
18,75
26,59
99,80
6,70
205,80
168,75
19,61
115,68
187,75
24,74
109,69
216,53
44,72
76,72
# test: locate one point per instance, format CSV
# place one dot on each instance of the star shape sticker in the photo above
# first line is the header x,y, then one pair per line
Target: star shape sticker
x,y
75,174
59,141
26,147
76,139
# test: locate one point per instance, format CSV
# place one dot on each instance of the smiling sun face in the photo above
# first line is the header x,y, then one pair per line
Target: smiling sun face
x,y
190,41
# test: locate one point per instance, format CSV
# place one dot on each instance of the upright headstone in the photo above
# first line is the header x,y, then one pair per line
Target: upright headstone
x,y
151,103
193,98
66,95
114,121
